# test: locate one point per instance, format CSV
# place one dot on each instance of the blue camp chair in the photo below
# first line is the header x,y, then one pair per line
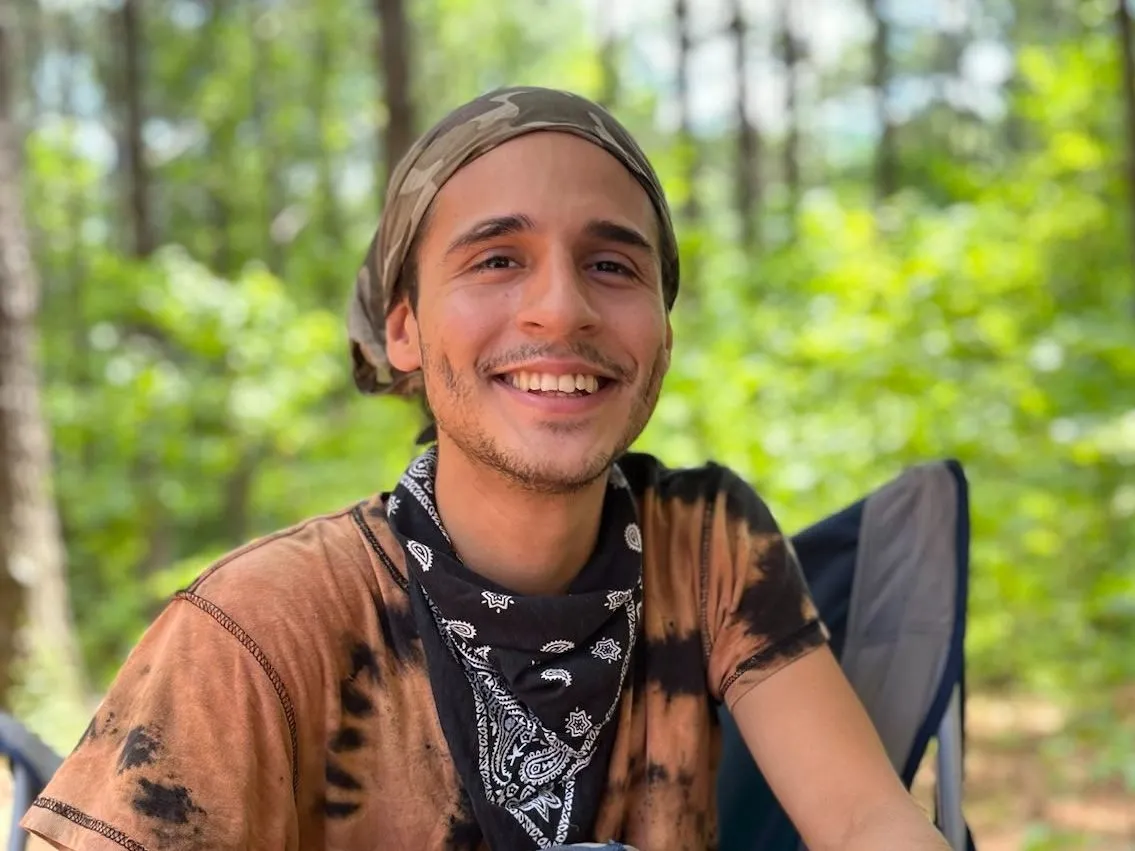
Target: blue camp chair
x,y
889,575
32,763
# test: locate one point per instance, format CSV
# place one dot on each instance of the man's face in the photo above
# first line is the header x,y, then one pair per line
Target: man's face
x,y
540,327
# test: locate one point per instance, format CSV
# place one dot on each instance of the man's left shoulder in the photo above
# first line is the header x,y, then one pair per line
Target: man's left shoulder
x,y
697,490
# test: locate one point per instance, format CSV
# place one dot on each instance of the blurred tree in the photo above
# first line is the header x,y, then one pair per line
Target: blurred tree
x,y
263,84
691,207
395,52
32,557
133,148
608,59
748,170
790,56
886,154
1127,58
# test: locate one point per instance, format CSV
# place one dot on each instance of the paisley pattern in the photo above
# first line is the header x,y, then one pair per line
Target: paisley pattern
x,y
542,676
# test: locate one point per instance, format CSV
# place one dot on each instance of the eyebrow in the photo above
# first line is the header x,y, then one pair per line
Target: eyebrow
x,y
498,226
613,232
493,228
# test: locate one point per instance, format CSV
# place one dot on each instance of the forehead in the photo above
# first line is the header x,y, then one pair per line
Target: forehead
x,y
555,178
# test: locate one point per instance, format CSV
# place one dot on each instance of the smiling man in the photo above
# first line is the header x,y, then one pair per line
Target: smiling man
x,y
523,644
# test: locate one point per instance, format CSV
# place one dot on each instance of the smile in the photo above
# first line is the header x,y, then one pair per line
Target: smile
x,y
545,383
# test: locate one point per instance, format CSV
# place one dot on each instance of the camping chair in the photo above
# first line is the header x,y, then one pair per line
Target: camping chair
x,y
890,577
32,764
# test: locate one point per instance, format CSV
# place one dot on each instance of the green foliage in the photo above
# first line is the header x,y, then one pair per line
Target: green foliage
x,y
202,396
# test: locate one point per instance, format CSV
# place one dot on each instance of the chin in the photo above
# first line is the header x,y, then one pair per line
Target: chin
x,y
540,460
558,466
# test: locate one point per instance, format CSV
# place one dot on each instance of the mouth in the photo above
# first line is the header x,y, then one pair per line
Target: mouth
x,y
548,385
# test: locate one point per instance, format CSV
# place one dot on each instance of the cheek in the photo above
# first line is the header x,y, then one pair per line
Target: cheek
x,y
643,338
462,327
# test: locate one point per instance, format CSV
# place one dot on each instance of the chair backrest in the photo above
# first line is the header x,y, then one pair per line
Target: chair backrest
x,y
889,575
906,618
32,762
26,750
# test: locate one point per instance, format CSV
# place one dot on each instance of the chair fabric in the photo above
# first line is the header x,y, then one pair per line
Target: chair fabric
x,y
32,763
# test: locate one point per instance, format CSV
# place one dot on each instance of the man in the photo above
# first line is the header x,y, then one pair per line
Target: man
x,y
521,645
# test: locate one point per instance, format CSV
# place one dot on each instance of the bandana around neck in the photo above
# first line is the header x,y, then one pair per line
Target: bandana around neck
x,y
526,687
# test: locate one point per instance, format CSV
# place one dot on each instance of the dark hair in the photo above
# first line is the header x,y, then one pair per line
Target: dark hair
x,y
407,284
407,281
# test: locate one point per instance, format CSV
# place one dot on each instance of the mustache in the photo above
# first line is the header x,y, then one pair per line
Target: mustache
x,y
581,350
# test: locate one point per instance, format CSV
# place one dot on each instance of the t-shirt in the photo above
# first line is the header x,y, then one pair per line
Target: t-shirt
x,y
281,702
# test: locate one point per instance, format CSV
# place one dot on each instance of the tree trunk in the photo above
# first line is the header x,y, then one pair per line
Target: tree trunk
x,y
332,219
1127,53
271,192
221,147
32,561
886,157
608,59
29,24
394,67
748,165
77,369
141,218
238,495
791,54
1014,124
691,209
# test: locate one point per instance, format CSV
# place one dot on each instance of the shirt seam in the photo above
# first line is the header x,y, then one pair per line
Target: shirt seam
x,y
80,818
760,657
379,550
233,628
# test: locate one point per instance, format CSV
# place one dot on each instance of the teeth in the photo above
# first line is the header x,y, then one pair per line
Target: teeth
x,y
545,382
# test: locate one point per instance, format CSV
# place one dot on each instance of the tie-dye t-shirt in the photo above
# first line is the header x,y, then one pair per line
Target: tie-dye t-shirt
x,y
281,702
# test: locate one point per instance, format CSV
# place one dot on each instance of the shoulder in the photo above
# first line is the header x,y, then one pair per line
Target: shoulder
x,y
698,493
295,562
299,587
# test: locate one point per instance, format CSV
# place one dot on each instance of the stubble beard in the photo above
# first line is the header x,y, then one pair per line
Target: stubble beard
x,y
473,441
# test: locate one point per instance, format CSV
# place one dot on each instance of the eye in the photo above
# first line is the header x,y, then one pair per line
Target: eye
x,y
612,267
497,261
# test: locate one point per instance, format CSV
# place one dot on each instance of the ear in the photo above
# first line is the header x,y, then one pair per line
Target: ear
x,y
669,347
402,339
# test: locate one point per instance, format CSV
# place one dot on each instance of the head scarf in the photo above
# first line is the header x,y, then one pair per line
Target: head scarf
x,y
465,134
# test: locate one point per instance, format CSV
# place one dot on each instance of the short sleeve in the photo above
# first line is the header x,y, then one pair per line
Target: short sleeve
x,y
759,614
190,749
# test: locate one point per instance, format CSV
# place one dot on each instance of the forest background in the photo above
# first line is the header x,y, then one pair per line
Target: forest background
x,y
908,233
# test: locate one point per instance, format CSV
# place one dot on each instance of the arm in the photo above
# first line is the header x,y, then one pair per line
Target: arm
x,y
795,709
190,749
819,752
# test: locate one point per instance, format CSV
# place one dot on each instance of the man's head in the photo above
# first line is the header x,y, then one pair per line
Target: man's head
x,y
522,277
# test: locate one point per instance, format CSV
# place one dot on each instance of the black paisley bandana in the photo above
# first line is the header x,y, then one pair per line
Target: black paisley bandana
x,y
526,687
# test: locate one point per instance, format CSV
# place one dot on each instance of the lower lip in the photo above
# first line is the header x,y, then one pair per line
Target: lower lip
x,y
562,405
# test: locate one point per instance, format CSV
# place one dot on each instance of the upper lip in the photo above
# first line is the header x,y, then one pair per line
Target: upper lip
x,y
558,367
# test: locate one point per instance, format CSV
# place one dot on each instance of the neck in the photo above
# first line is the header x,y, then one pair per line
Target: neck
x,y
529,543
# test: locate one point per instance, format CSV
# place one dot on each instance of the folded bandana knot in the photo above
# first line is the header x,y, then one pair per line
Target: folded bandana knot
x,y
465,134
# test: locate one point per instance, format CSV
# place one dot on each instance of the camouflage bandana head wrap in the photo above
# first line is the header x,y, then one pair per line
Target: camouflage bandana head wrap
x,y
465,134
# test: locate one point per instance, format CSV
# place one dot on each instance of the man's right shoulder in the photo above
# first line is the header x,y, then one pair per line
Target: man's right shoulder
x,y
304,582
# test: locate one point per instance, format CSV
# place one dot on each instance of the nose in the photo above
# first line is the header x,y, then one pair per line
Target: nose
x,y
555,300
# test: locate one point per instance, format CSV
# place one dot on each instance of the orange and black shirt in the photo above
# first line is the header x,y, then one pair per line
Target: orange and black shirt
x,y
282,701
